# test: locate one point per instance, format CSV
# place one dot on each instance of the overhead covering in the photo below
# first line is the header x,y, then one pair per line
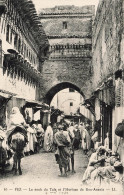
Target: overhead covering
x,y
6,95
36,104
28,12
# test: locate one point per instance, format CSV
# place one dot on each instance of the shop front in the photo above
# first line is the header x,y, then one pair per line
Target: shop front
x,y
5,97
36,111
104,106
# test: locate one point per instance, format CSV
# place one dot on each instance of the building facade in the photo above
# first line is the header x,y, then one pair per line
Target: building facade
x,y
108,70
23,49
67,100
70,103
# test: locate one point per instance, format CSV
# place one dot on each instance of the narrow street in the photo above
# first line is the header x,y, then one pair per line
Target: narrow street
x,y
40,171
62,85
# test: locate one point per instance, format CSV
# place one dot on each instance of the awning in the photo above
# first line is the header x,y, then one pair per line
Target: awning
x,y
90,104
106,92
82,116
32,103
36,104
5,95
73,116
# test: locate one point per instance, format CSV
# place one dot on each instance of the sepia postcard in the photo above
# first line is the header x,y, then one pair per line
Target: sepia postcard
x,y
62,97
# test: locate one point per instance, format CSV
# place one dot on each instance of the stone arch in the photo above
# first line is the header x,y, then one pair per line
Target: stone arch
x,y
55,89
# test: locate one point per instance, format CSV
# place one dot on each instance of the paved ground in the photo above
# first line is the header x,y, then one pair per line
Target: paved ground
x,y
40,176
40,171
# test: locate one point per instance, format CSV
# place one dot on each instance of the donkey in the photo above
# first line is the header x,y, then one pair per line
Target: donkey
x,y
17,141
18,147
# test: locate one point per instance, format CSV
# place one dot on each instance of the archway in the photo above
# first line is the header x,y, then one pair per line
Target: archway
x,y
50,94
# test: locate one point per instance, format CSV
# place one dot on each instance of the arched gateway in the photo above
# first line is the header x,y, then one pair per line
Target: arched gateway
x,y
50,94
69,31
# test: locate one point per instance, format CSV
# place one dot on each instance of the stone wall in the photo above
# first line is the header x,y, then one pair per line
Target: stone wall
x,y
72,71
108,36
75,26
69,30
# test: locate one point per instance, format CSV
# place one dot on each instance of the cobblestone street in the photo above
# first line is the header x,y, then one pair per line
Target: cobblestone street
x,y
40,171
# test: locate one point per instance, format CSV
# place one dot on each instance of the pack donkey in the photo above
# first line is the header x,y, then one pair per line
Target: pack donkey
x,y
17,140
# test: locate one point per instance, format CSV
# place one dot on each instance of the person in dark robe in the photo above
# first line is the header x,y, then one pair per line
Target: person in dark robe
x,y
77,137
62,141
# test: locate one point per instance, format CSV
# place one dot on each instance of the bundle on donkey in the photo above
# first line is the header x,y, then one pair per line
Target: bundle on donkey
x,y
17,140
17,136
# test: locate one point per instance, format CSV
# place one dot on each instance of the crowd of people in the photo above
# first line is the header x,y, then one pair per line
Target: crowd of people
x,y
49,139
34,133
63,139
103,168
66,139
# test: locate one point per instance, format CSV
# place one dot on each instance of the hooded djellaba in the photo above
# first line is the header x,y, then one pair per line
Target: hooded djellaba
x,y
16,118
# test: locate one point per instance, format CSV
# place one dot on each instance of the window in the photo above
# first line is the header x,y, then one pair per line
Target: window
x,y
2,26
19,45
22,48
31,58
11,36
27,52
71,90
64,25
29,55
15,40
7,33
71,103
34,61
118,74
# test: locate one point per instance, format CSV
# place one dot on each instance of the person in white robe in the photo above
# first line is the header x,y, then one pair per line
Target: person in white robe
x,y
16,118
48,139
